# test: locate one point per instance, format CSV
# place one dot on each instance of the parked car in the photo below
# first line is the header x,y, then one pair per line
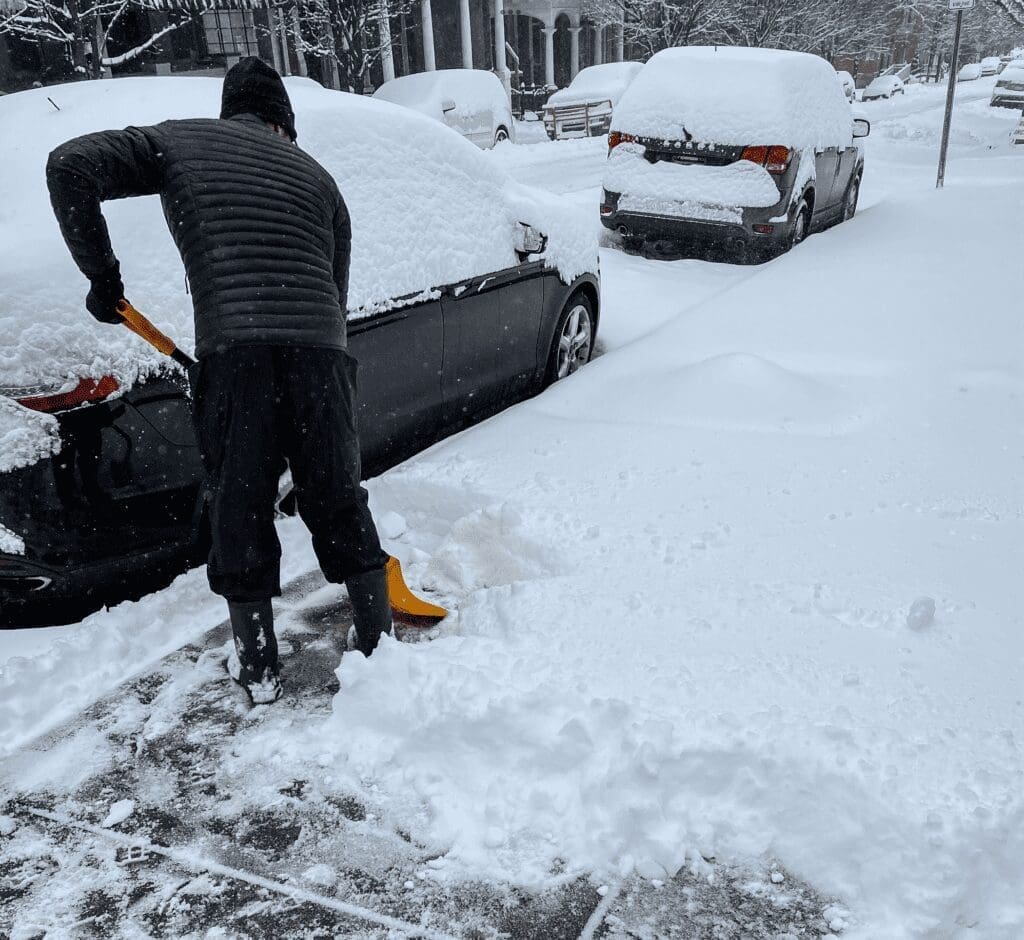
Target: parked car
x,y
1009,89
468,292
470,101
584,109
731,150
990,65
848,84
885,86
969,73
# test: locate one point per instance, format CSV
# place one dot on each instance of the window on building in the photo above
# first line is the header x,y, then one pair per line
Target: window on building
x,y
230,32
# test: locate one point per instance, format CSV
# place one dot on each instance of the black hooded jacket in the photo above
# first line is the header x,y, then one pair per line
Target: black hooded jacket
x,y
261,227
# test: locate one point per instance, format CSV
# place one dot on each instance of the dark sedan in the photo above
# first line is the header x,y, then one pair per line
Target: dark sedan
x,y
470,293
118,510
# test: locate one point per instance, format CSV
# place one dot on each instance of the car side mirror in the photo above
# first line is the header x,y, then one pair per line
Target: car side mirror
x,y
447,105
528,241
861,127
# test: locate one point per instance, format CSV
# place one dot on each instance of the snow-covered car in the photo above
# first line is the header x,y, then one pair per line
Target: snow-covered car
x,y
468,292
969,73
885,86
1009,88
990,65
584,109
849,86
734,149
470,101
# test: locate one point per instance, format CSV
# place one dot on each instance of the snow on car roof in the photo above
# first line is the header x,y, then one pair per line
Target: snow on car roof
x,y
885,81
427,209
598,82
739,96
472,90
1012,73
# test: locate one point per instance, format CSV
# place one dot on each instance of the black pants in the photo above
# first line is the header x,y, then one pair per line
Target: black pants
x,y
256,407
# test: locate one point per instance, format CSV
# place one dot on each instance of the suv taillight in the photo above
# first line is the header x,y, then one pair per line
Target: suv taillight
x,y
616,137
774,159
87,390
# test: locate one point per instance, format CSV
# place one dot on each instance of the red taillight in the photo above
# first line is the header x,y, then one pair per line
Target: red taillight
x,y
615,138
773,159
86,391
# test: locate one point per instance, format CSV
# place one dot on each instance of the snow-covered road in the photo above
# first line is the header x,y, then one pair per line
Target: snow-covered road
x,y
747,587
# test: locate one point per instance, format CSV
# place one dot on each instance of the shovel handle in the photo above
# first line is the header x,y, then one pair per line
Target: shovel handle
x,y
141,326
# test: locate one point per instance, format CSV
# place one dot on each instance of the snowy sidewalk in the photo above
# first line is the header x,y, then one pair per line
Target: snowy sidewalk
x,y
133,821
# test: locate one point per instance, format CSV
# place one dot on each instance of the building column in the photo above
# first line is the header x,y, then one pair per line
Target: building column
x,y
619,42
300,56
500,57
466,32
429,62
549,54
574,51
282,37
598,44
387,57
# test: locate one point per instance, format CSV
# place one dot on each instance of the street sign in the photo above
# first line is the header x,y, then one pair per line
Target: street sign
x,y
962,4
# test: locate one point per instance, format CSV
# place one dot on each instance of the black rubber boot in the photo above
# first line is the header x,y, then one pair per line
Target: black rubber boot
x,y
254,664
371,609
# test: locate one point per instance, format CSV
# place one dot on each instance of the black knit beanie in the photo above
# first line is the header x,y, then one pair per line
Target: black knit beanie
x,y
253,87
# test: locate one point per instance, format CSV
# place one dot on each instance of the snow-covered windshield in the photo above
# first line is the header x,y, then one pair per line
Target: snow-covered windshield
x,y
737,96
472,91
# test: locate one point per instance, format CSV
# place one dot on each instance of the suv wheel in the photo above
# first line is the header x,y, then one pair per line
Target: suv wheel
x,y
499,135
574,339
801,223
850,202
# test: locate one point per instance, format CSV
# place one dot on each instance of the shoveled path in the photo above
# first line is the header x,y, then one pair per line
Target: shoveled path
x,y
194,854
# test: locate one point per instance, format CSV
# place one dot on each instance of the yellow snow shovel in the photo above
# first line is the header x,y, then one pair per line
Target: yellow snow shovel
x,y
405,606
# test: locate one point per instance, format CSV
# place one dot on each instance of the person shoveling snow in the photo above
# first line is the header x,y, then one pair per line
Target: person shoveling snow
x,y
265,237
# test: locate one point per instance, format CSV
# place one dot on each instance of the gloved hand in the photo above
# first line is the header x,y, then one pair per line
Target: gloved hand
x,y
106,290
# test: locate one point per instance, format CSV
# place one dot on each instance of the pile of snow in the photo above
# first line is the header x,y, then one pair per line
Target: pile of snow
x,y
474,92
25,436
597,83
428,209
737,96
666,188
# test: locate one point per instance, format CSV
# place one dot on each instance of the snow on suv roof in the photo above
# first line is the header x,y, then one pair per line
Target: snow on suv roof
x,y
428,209
598,83
737,96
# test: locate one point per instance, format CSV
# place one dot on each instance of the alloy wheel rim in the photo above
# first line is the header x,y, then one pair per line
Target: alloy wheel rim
x,y
574,341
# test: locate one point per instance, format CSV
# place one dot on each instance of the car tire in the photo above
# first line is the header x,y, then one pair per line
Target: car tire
x,y
501,134
801,225
851,198
632,244
573,343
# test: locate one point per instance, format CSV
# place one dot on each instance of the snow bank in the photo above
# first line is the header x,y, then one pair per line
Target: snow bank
x,y
737,96
695,614
665,188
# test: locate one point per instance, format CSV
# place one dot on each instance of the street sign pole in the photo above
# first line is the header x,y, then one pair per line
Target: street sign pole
x,y
959,6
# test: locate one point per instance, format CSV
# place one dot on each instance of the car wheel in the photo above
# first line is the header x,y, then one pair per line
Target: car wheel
x,y
850,202
801,224
500,134
574,339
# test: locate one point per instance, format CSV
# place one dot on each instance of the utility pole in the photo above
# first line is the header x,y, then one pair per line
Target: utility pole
x,y
959,6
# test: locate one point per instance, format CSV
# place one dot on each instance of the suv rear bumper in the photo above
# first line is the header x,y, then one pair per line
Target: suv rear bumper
x,y
34,593
735,238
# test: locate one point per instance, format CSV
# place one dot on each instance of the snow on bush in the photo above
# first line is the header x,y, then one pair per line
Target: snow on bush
x,y
737,96
673,189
